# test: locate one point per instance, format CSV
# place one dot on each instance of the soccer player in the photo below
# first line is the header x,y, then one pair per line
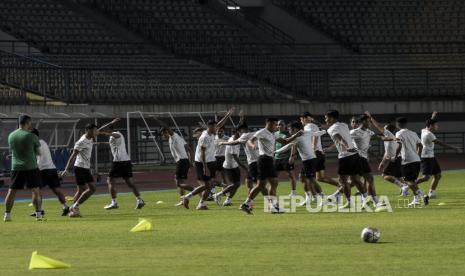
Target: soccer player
x,y
348,158
265,140
304,146
409,147
361,137
205,162
121,166
390,166
282,158
48,172
232,171
182,155
82,153
220,154
24,147
429,163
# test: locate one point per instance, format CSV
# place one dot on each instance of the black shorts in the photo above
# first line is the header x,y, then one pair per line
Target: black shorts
x,y
83,176
30,178
430,166
321,160
309,168
283,165
411,171
394,168
233,175
121,169
219,163
349,165
211,166
364,166
266,167
182,168
252,173
50,178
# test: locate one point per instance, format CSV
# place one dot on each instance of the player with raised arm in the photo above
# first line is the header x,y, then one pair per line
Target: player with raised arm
x,y
390,166
220,153
121,166
48,173
409,148
82,153
205,162
429,163
348,157
282,157
231,165
265,140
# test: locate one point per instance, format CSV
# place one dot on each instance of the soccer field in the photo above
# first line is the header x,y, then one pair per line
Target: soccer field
x,y
225,241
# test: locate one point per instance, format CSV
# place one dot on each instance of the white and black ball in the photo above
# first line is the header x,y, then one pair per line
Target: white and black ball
x,y
370,235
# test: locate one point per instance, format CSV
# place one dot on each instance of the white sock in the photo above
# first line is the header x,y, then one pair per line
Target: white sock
x,y
248,201
430,192
398,183
65,206
201,203
113,201
375,199
75,205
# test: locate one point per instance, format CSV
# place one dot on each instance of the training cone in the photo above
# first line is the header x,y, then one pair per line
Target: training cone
x,y
143,225
441,204
39,261
30,205
160,202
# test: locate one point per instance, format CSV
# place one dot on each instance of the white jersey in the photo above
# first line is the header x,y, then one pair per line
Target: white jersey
x,y
343,130
390,147
252,154
220,150
177,147
427,140
84,147
361,139
44,160
231,150
118,148
207,141
316,132
305,146
409,141
266,142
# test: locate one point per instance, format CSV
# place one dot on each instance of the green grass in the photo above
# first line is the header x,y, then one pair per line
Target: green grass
x,y
225,241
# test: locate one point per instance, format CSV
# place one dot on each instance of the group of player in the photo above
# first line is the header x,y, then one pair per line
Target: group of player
x,y
270,150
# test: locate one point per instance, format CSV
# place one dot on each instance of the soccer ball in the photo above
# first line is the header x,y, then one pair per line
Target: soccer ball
x,y
370,235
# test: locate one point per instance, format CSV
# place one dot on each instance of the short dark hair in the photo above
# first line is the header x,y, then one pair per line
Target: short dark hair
x,y
111,127
272,120
306,114
355,118
402,121
197,129
91,126
391,128
430,122
242,126
35,131
211,122
24,119
363,117
297,125
333,114
163,129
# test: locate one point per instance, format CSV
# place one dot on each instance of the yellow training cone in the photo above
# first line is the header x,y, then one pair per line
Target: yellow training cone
x,y
143,225
160,202
30,205
39,261
441,204
69,198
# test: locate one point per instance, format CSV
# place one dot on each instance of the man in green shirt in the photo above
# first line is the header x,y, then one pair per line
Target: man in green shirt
x,y
24,147
282,158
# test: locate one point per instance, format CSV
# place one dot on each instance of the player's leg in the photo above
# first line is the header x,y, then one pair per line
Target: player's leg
x,y
61,198
346,188
113,193
434,185
199,189
321,177
139,201
9,202
293,181
37,201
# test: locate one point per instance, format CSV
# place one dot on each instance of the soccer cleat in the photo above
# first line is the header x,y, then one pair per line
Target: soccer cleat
x,y
426,200
276,210
40,218
74,213
140,204
7,217
65,211
306,202
292,194
227,202
415,202
185,202
404,190
336,197
201,207
111,206
34,214
217,199
245,208
178,204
